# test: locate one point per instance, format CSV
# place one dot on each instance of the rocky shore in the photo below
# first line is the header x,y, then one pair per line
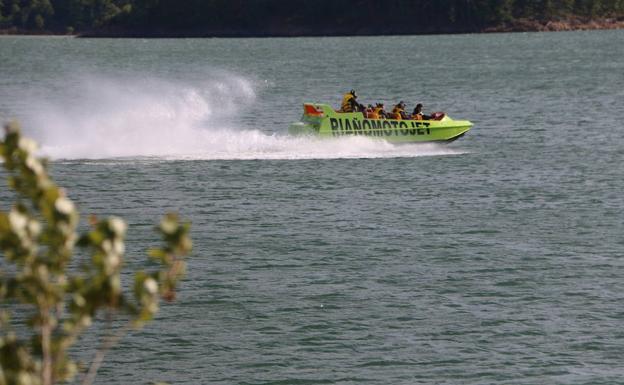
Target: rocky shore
x,y
573,24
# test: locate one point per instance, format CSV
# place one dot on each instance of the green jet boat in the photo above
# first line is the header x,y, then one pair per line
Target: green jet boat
x,y
322,120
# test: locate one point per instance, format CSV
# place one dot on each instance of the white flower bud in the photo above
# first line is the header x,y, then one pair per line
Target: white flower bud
x,y
117,225
107,246
64,206
27,145
18,221
34,227
85,321
113,261
150,285
79,300
168,226
34,164
118,247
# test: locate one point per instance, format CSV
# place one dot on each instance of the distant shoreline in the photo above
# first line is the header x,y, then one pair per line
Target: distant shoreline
x,y
519,25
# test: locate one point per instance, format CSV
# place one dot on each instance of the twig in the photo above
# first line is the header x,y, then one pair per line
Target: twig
x,y
46,335
107,344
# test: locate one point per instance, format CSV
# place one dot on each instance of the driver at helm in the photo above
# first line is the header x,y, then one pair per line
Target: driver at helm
x,y
349,102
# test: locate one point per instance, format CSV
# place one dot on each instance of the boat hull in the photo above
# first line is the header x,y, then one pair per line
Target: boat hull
x,y
321,120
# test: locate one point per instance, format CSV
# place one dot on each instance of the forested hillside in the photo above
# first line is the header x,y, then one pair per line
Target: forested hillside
x,y
292,17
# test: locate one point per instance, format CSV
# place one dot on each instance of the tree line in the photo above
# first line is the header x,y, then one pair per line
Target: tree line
x,y
288,17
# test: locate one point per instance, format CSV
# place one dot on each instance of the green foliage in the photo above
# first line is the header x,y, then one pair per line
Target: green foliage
x,y
28,14
268,16
37,241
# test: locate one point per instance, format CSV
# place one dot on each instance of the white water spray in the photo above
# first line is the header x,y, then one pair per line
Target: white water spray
x,y
112,118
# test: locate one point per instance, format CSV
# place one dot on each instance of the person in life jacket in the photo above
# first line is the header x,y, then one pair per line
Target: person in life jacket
x,y
349,103
373,114
398,111
378,111
418,114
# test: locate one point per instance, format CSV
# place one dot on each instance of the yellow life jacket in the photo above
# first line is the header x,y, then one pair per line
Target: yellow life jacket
x,y
418,116
346,103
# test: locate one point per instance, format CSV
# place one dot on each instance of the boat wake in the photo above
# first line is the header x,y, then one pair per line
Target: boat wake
x,y
103,118
247,145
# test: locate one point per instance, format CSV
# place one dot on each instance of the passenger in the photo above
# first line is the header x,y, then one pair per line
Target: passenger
x,y
378,111
418,114
382,113
372,114
349,103
398,111
368,112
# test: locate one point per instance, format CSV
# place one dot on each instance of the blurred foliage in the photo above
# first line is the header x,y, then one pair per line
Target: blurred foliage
x,y
270,17
56,303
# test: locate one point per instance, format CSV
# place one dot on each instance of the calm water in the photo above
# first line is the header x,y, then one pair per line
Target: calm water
x,y
496,259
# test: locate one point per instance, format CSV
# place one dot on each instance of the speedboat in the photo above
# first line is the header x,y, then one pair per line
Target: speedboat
x,y
322,120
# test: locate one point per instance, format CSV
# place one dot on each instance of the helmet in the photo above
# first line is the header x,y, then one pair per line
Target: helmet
x,y
352,92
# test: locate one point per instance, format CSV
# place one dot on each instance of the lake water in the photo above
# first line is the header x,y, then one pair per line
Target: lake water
x,y
496,259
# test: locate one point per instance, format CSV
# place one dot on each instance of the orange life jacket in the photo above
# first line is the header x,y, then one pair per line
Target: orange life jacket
x,y
398,112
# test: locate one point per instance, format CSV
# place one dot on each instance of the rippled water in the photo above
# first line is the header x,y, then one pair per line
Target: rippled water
x,y
496,259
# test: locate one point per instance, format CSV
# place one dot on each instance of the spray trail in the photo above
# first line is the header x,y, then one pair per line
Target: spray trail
x,y
128,118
